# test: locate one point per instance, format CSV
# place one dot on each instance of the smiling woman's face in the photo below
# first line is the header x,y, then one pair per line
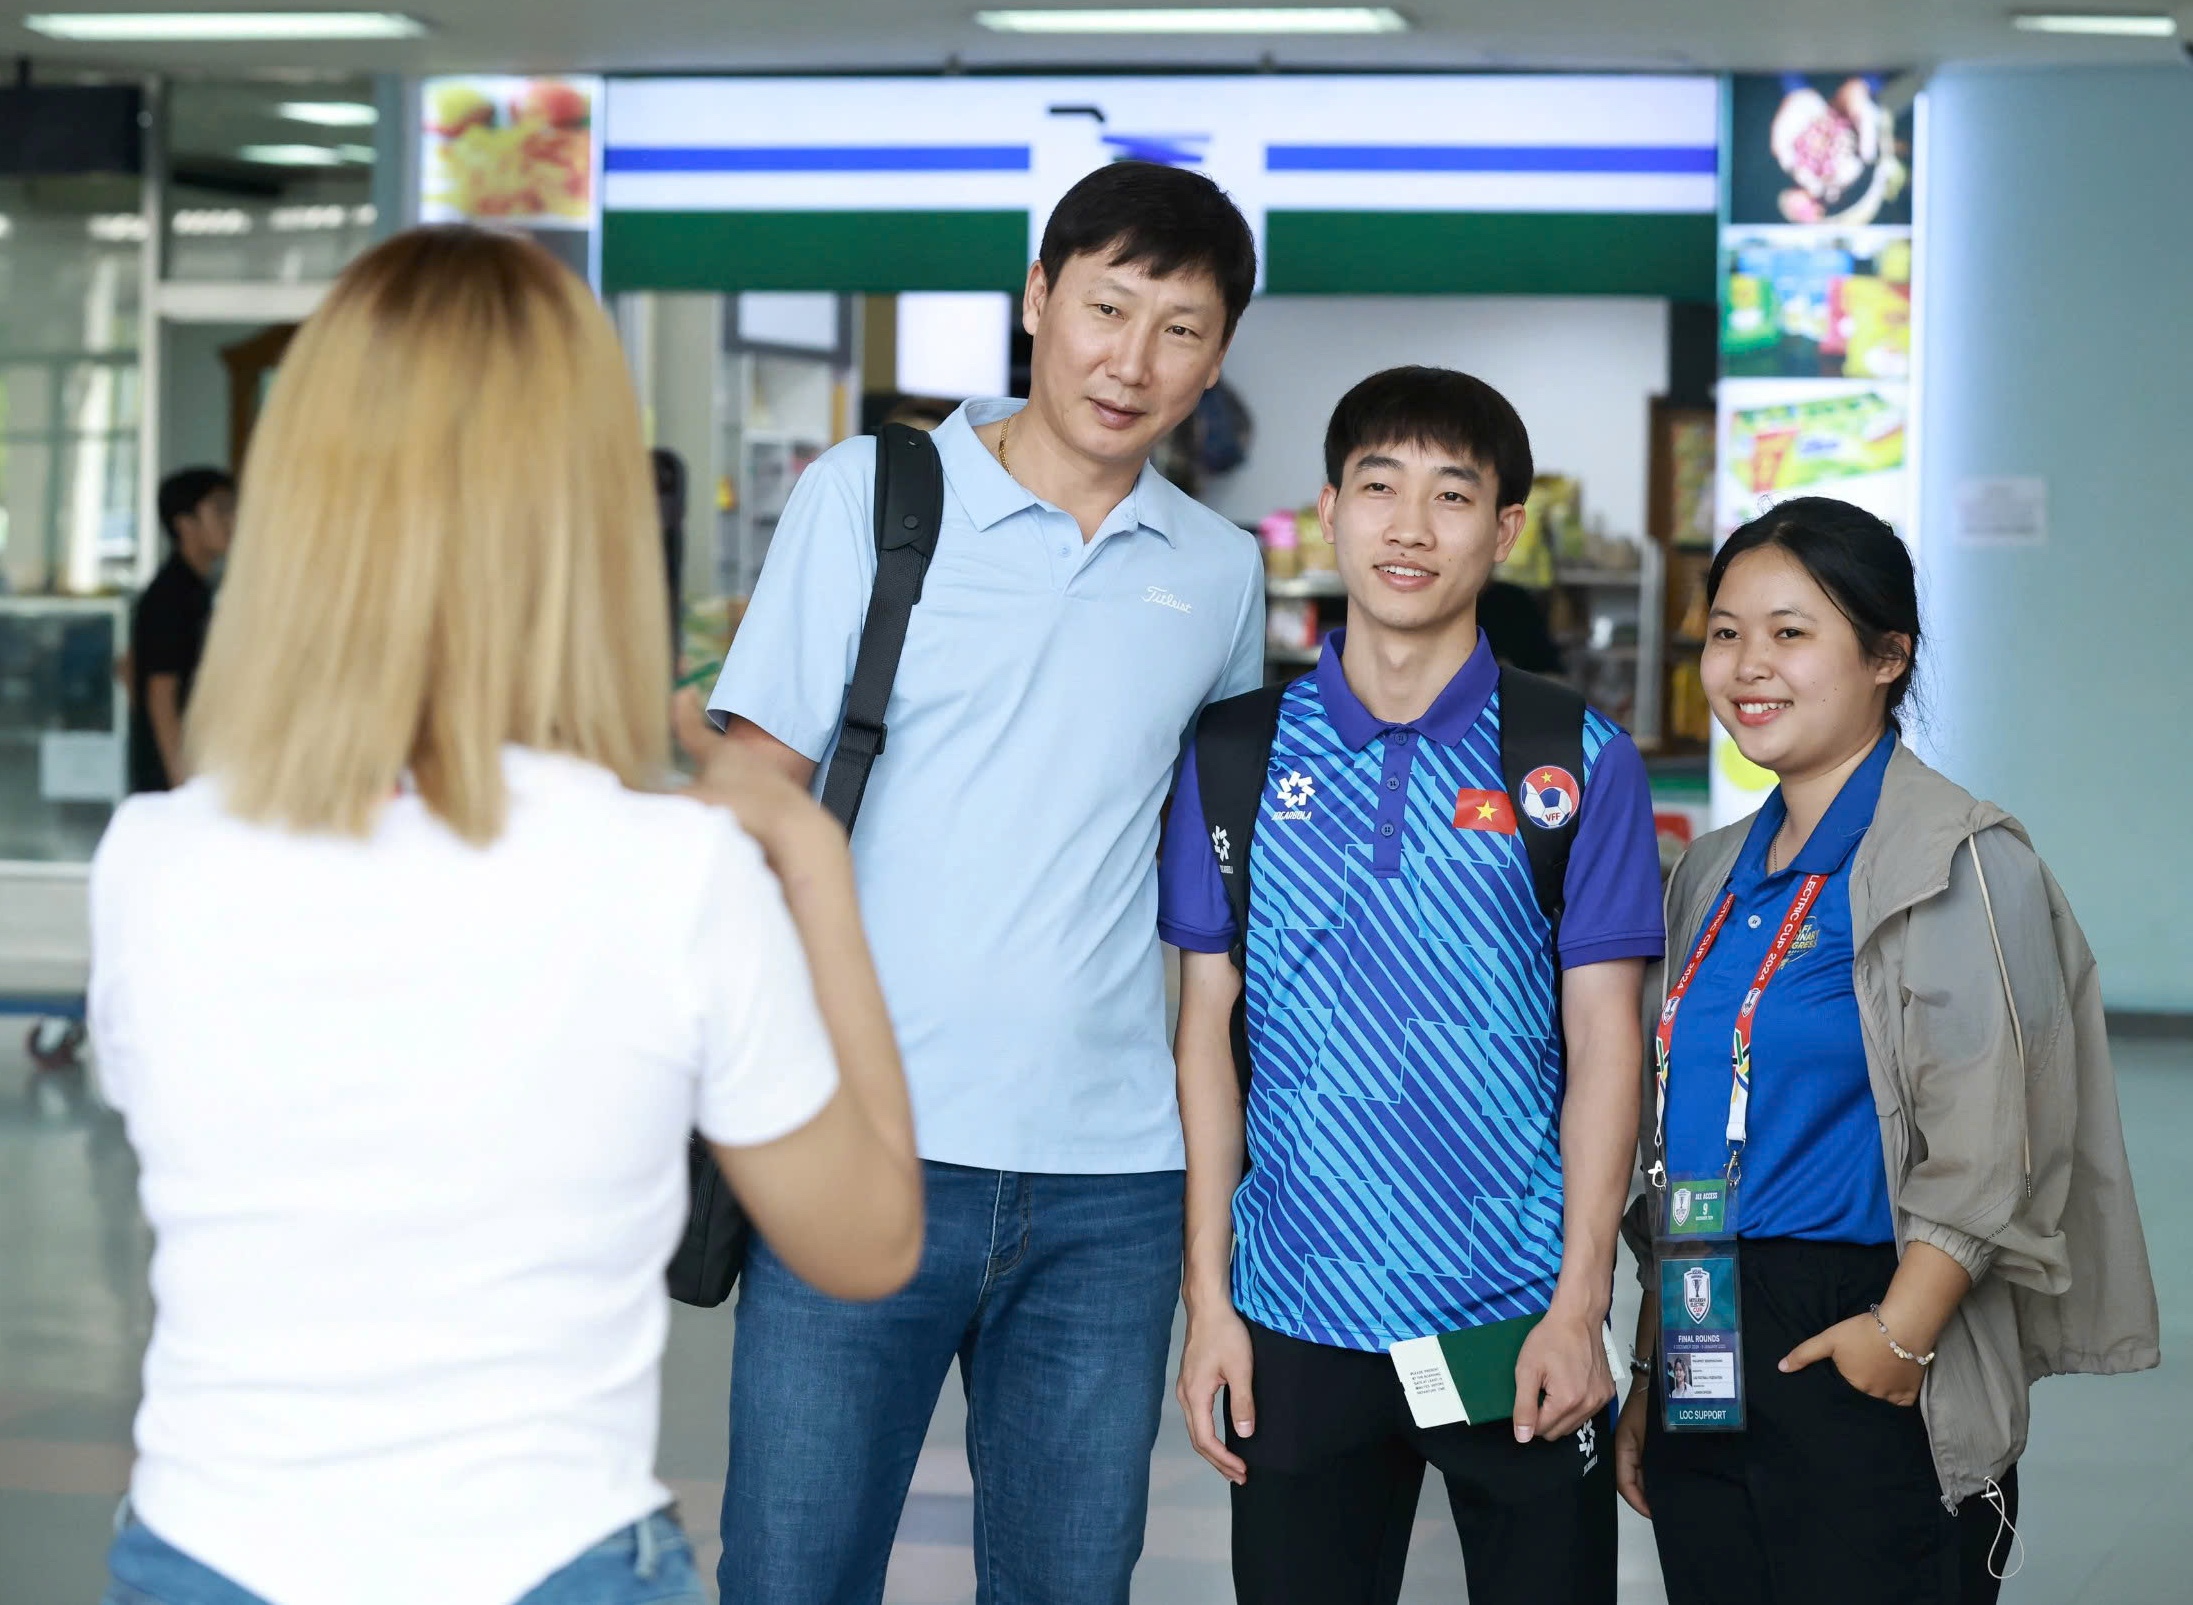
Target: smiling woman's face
x,y
1785,672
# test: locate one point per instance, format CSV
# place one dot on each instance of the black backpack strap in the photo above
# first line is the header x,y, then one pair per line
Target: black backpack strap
x,y
1233,756
1542,727
909,512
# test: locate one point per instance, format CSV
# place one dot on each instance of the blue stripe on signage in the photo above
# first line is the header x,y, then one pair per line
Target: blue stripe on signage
x,y
1491,159
816,159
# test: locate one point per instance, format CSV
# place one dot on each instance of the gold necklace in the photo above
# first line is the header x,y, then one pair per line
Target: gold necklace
x,y
1005,433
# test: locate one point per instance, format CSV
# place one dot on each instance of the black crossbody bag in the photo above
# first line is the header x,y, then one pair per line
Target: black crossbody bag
x,y
909,510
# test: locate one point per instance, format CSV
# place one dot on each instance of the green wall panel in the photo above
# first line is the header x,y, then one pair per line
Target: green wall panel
x,y
844,251
1492,253
1307,253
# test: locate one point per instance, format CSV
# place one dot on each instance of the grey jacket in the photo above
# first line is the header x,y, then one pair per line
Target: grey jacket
x,y
1999,1123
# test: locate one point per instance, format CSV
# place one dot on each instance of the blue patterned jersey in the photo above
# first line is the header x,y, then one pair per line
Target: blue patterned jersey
x,y
1405,1112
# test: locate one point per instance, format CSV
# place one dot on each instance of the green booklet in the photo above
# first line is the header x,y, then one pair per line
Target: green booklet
x,y
1469,1376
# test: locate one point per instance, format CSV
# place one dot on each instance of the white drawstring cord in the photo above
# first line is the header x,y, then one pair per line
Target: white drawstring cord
x,y
2001,1506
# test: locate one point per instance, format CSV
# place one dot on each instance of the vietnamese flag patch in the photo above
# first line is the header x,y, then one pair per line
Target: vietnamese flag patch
x,y
1484,810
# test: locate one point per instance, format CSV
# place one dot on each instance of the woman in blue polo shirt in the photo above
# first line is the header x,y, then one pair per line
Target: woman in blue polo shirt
x,y
1881,1069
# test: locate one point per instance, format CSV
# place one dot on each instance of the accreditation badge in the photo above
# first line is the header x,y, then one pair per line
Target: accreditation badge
x,y
1701,1380
1699,1207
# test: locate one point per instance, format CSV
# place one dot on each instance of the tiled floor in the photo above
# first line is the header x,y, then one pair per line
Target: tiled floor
x,y
2108,1481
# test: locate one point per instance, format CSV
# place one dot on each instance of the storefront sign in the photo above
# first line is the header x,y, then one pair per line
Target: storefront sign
x,y
1571,183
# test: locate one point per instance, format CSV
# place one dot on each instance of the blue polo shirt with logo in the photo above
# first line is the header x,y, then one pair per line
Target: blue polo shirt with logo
x,y
1006,849
1812,1151
1404,1118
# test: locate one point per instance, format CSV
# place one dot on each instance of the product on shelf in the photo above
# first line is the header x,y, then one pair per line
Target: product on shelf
x,y
1282,552
1290,625
1318,556
1690,716
1553,508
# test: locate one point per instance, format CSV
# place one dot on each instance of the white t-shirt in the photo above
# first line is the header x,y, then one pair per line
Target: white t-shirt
x,y
412,1118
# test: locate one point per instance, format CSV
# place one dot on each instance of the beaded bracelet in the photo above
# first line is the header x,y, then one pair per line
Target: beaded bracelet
x,y
1896,1348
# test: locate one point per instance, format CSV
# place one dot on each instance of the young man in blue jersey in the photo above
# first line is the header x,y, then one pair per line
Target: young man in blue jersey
x,y
1438,1128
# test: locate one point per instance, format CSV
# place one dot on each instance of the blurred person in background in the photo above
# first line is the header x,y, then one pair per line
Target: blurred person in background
x,y
167,632
1885,1063
412,1112
1079,612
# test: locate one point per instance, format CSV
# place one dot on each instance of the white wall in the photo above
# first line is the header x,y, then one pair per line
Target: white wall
x,y
1580,370
2058,335
194,393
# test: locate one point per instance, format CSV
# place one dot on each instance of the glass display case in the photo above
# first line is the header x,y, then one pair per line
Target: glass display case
x,y
64,724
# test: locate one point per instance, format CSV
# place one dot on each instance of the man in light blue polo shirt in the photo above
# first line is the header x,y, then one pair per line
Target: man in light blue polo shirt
x,y
1079,612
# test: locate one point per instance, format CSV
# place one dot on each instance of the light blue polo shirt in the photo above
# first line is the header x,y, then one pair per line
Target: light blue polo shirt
x,y
1007,848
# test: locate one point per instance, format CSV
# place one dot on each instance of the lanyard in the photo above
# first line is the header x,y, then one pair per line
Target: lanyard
x,y
1663,1039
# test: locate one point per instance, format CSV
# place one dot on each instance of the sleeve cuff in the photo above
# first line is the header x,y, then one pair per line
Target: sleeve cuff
x,y
1974,1254
778,1112
1189,939
806,743
1605,949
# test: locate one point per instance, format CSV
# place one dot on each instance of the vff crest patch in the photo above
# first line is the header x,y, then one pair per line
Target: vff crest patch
x,y
1550,797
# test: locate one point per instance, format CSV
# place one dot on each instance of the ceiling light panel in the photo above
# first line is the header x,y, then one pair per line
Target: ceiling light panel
x,y
292,155
1199,20
221,27
2113,25
330,113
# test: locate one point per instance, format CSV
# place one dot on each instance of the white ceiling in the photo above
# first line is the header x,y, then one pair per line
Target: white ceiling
x,y
847,35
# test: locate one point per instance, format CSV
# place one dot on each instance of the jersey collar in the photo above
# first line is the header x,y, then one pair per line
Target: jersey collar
x,y
1446,721
1837,835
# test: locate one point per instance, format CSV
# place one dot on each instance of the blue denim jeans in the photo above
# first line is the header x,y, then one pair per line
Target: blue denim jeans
x,y
648,1563
1056,1295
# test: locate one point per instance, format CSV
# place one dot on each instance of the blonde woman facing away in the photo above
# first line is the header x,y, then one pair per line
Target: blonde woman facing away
x,y
411,998
1886,1180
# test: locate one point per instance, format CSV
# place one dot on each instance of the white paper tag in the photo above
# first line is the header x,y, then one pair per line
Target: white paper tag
x,y
1434,1400
1618,1363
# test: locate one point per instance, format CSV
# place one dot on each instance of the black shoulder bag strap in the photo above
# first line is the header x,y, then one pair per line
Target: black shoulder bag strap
x,y
1233,757
909,510
1542,727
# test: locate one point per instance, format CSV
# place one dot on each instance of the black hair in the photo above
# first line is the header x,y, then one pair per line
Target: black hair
x,y
185,491
1860,562
1164,220
1433,407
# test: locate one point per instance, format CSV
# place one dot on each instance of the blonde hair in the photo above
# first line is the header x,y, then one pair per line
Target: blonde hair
x,y
447,541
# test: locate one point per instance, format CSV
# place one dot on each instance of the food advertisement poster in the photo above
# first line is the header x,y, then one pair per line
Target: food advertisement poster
x,y
1817,148
1818,294
1807,303
516,152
